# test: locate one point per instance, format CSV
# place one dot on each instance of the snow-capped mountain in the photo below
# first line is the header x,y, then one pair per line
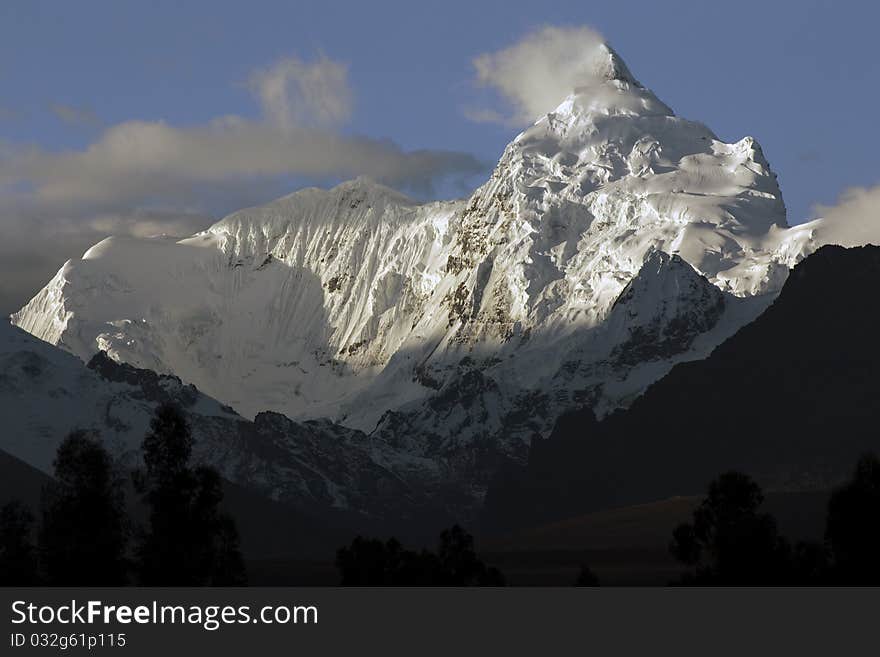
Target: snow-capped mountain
x,y
613,239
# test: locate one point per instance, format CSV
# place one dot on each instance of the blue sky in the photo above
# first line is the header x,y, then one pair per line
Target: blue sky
x,y
802,77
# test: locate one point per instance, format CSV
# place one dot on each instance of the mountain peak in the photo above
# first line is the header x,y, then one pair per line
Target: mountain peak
x,y
362,186
663,309
608,87
367,187
610,66
353,301
662,277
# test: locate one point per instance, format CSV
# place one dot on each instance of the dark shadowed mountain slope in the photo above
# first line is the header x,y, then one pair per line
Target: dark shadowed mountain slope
x,y
268,528
321,468
791,399
20,481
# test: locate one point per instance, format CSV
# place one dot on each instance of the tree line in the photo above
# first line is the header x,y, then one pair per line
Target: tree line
x,y
372,562
731,542
86,533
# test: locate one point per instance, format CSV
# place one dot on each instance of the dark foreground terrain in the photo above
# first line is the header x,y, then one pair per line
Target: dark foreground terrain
x,y
790,401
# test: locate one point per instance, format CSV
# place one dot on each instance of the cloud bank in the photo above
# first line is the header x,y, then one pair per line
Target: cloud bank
x,y
142,162
854,220
149,177
139,162
536,73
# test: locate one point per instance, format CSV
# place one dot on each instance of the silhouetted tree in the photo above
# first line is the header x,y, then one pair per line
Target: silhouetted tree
x,y
459,563
229,568
810,564
371,562
853,529
18,559
729,542
84,532
367,561
221,555
190,541
586,577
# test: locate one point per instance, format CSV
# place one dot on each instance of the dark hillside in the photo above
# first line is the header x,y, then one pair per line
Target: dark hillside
x,y
791,399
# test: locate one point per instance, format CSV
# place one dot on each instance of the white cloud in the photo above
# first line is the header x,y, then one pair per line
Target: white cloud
x,y
143,223
138,162
294,93
147,177
537,72
854,220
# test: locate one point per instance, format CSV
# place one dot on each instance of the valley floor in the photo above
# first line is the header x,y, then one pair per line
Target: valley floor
x,y
624,547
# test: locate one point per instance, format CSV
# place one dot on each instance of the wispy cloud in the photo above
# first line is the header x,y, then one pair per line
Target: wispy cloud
x,y
854,220
141,162
536,73
75,116
294,93
143,177
484,115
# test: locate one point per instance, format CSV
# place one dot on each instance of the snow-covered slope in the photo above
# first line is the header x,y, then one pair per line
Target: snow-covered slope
x,y
46,393
463,327
287,307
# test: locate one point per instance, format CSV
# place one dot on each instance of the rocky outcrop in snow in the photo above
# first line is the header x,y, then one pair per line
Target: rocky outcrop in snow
x,y
46,393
